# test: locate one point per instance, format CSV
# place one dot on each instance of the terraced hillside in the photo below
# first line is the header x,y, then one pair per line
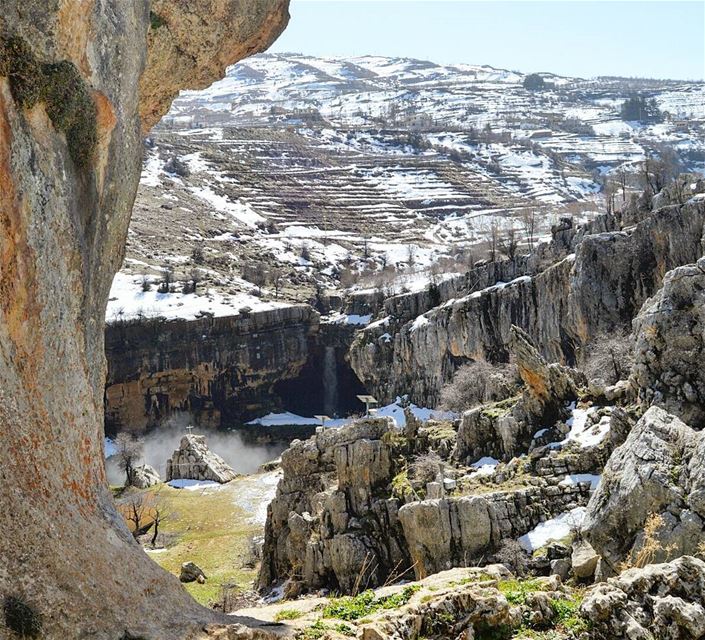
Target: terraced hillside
x,y
297,174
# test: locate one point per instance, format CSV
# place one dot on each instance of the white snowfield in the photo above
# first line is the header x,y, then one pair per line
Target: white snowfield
x,y
553,530
394,410
128,301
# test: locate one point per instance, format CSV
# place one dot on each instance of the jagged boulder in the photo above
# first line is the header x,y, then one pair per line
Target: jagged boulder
x,y
659,471
193,460
145,476
654,603
670,345
547,386
445,533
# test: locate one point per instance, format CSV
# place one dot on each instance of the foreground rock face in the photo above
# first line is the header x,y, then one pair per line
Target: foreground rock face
x,y
658,601
670,347
193,460
597,289
70,160
658,471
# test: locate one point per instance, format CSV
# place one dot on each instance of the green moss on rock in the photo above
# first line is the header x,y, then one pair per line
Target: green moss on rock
x,y
71,109
155,20
23,69
66,96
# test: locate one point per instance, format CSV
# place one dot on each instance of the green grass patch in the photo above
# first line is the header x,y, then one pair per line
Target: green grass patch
x,y
365,604
288,614
212,531
567,612
516,591
314,632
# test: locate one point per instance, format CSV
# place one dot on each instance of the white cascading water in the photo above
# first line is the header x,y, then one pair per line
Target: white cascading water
x,y
330,382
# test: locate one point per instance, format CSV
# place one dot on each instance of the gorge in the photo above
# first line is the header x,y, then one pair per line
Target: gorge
x,y
307,230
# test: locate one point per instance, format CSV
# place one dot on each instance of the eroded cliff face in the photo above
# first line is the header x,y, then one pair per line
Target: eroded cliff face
x,y
210,370
70,150
597,288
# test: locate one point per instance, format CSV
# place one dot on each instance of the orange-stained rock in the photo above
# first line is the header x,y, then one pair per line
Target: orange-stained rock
x,y
69,168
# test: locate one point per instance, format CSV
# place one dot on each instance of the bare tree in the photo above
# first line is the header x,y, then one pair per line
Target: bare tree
x,y
411,250
277,276
660,171
610,189
528,220
509,243
494,240
159,513
167,279
129,452
136,512
608,357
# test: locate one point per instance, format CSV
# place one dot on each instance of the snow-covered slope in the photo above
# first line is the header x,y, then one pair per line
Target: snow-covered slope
x,y
296,173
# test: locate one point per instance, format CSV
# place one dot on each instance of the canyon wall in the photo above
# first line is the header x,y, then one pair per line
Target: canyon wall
x,y
70,162
222,372
211,369
596,289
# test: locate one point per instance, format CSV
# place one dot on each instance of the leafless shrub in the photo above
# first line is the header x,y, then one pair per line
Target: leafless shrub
x,y
512,555
479,382
425,468
609,358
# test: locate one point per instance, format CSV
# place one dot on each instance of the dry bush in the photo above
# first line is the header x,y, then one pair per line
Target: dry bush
x,y
651,546
479,382
512,555
425,468
609,358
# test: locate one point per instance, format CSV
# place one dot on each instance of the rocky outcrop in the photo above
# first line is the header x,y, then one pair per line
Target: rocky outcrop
x,y
145,476
670,346
70,161
209,369
657,473
326,525
191,43
193,460
345,513
597,289
658,601
506,429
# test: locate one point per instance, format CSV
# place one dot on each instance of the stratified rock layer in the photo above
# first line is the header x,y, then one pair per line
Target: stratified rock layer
x,y
209,369
70,160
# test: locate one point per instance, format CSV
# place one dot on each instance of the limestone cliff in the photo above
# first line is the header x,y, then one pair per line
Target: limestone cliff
x,y
210,369
597,288
70,158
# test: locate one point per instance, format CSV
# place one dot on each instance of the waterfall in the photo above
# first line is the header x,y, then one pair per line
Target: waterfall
x,y
330,382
